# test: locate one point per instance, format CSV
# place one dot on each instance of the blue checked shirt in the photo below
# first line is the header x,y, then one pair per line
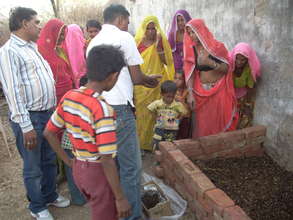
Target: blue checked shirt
x,y
27,80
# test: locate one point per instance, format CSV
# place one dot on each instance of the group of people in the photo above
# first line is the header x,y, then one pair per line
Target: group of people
x,y
98,102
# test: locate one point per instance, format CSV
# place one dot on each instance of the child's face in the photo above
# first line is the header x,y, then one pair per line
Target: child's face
x,y
179,80
92,32
168,97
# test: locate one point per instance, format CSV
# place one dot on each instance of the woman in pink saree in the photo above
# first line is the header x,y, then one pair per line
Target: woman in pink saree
x,y
75,44
209,79
246,70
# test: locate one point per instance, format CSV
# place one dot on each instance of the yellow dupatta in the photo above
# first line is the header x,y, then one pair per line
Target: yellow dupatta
x,y
144,96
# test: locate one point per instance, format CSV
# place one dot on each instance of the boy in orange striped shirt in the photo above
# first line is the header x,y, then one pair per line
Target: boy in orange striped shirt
x,y
90,123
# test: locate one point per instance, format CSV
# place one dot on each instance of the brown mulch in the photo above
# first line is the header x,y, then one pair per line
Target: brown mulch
x,y
257,184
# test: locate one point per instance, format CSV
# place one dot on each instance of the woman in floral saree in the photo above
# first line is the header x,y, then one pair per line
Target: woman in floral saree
x,y
157,55
209,80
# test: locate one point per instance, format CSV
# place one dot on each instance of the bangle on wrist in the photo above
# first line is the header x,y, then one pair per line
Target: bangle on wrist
x,y
161,52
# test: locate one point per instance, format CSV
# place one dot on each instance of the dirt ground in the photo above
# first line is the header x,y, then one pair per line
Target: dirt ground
x,y
257,184
13,203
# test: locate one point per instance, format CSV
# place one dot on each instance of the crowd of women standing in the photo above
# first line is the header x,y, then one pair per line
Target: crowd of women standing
x,y
218,87
210,89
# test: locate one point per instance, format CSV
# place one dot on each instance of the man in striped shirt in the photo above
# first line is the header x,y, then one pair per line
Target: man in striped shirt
x,y
28,85
90,123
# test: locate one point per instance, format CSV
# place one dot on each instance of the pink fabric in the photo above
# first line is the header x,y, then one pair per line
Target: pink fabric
x,y
90,179
215,109
253,61
240,92
75,43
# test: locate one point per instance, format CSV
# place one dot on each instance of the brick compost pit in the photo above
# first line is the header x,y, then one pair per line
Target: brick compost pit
x,y
204,198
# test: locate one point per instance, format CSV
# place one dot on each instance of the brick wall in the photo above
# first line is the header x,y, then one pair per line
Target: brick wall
x,y
178,171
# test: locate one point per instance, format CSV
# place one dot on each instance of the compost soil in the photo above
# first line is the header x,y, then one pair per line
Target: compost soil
x,y
257,184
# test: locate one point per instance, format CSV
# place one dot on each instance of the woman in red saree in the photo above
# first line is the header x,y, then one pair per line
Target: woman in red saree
x,y
209,79
51,45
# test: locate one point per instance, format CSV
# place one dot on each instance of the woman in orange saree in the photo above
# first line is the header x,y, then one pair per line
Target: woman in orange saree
x,y
209,79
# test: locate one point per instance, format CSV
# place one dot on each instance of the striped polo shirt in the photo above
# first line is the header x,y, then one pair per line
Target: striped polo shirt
x,y
89,121
27,80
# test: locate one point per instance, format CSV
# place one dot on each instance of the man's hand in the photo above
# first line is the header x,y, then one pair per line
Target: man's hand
x,y
123,208
30,139
152,81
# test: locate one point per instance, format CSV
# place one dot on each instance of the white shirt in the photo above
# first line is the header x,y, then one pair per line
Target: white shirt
x,y
122,92
27,80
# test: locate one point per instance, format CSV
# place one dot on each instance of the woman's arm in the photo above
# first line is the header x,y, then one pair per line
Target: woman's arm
x,y
204,60
190,97
160,49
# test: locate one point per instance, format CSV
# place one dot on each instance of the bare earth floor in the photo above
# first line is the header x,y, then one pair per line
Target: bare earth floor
x,y
13,203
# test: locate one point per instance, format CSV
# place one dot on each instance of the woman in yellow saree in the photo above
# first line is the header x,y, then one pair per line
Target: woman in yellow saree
x,y
157,55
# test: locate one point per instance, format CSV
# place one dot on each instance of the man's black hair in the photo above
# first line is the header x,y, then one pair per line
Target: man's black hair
x,y
113,11
104,60
93,23
17,15
168,86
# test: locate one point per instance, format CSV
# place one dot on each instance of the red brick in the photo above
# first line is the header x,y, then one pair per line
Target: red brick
x,y
182,142
188,168
203,208
253,150
213,143
210,140
159,172
181,189
158,156
166,146
237,152
254,131
235,213
240,144
199,183
169,177
191,148
167,163
232,137
218,200
256,140
176,156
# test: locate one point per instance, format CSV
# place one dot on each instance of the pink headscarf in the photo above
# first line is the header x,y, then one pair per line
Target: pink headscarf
x,y
75,43
253,61
247,51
